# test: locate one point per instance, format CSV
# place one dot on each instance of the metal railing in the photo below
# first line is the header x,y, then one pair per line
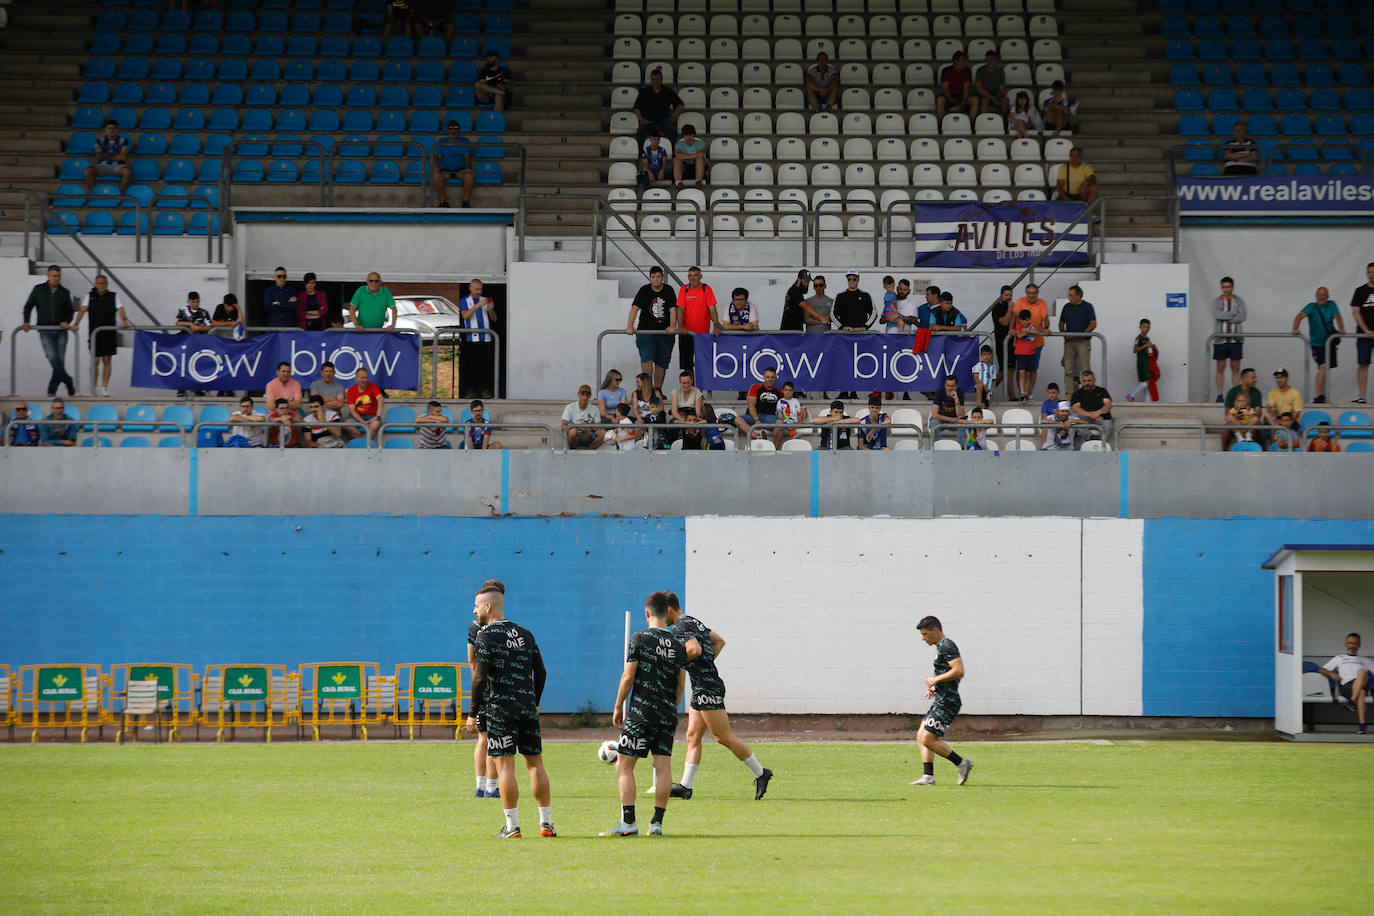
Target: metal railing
x,y
1270,153
1204,430
741,207
1336,337
813,426
602,215
1080,335
1276,335
14,353
46,210
436,339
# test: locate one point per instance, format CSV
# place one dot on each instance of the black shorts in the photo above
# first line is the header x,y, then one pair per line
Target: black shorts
x,y
640,738
1232,350
513,730
1364,346
105,343
941,715
1348,689
482,723
711,696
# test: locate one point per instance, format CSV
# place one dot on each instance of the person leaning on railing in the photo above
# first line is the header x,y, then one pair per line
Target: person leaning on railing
x,y
53,303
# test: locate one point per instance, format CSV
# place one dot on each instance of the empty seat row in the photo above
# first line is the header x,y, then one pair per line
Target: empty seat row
x,y
1273,49
183,145
103,222
863,149
840,7
172,196
1259,7
289,171
1280,100
852,75
857,25
1350,73
859,174
302,22
823,124
791,98
1266,26
763,200
1293,124
327,95
207,172
297,46
236,70
791,49
352,120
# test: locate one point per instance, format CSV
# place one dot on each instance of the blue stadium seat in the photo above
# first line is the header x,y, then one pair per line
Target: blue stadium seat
x,y
391,121
110,21
311,171
1240,27
337,24
227,94
367,46
1213,49
1174,27
1330,124
1203,168
491,122
81,143
272,21
1279,49
180,171
1182,75
169,43
141,193
487,173
1312,49
1358,100
167,69
215,143
132,68
132,222
105,442
364,71
1355,418
324,120
328,96
1285,74
203,44
217,414
1319,74
200,68
172,197
424,122
1247,49
138,43
1366,25
460,96
357,121
294,95
1338,149
414,173
358,443
350,171
394,96
1290,100
264,69
139,413
388,146
398,443
178,418
301,46
361,97
1217,75
142,21
354,146
101,418
425,97
333,46
489,148
70,195
1223,100
1301,150
99,68
1312,418
1256,100
170,442
93,94
1259,124
88,117
400,46
60,219
202,223
205,197
396,71
331,71
498,24
402,416
282,171
247,171
236,45
1324,100
465,46
325,141
290,119
160,94
1208,27
189,119
158,118
268,46
252,145
146,170
260,94
149,144
430,46
256,119
104,43
209,21
98,223
462,117
104,195
467,24
1345,49
73,169
1307,26
306,23
1273,26
500,45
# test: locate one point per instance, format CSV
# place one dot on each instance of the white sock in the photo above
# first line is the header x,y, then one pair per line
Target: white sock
x,y
481,783
1140,389
512,818
493,785
754,766
689,774
544,816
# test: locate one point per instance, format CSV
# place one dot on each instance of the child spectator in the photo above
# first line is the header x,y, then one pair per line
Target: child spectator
x,y
712,436
319,433
790,409
1060,439
1026,335
1324,442
245,429
984,374
1239,417
874,438
689,153
1058,107
625,438
1050,405
891,321
1285,439
1024,118
432,426
653,161
976,433
1146,363
648,408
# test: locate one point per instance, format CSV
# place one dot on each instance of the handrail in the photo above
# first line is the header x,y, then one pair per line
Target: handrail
x,y
440,333
646,425
1192,424
600,208
843,206
46,210
14,361
1267,157
407,153
1075,335
919,435
1203,428
738,206
194,431
461,426
12,422
1335,337
1306,352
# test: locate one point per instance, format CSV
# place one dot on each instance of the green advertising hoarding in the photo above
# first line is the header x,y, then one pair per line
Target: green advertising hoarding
x,y
60,684
436,682
160,673
245,685
339,682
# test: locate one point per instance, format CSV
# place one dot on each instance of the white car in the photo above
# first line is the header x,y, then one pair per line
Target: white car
x,y
424,314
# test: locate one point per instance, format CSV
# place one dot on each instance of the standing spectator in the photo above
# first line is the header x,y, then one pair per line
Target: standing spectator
x,y
196,321
984,376
476,434
452,158
312,306
903,303
22,430
1240,416
284,388
657,108
322,428
372,304
245,426
227,313
1323,320
1075,179
740,314
111,159
434,17
1362,307
432,426
955,82
1058,108
990,88
366,402
872,434
853,311
948,410
53,302
60,435
822,84
793,316
946,316
104,309
654,161
1229,311
576,415
1323,441
400,14
932,294
330,391
279,301
1146,363
689,152
1001,332
1024,118
1039,325
1077,317
477,352
696,304
1024,337
1283,398
1241,152
611,396
656,307
816,309
1093,404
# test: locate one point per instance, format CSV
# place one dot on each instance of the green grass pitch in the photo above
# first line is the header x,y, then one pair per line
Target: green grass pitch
x,y
388,827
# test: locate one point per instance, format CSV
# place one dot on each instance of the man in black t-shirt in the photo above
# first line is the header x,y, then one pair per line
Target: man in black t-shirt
x,y
1092,404
485,767
657,108
853,311
656,306
1362,305
792,314
493,83
948,411
943,691
763,407
507,684
1001,334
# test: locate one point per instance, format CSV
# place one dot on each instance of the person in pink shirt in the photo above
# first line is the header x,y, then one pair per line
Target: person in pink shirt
x,y
284,387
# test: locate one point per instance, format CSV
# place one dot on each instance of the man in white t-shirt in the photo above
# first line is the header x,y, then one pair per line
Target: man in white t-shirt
x,y
245,429
579,412
1350,672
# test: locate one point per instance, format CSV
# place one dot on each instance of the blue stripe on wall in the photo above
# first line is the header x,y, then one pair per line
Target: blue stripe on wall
x,y
1209,610
112,589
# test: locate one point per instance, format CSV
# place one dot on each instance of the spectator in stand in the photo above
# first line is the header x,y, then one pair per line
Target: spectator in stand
x,y
740,314
625,437
790,409
400,14
1024,118
452,158
366,403
111,159
245,426
332,394
284,388
1001,332
838,438
685,400
903,303
984,376
657,107
1060,438
955,87
1076,180
654,161
1241,152
227,313
1058,108
1025,336
312,306
575,417
1092,404
1146,363
762,407
932,295
696,304
888,317
476,434
990,88
816,310
853,311
1050,405
435,17
656,307
1362,307
60,435
648,407
372,304
976,431
948,410
53,303
1286,439
1077,317
872,434
1323,319
1229,311
1247,386
282,419
196,321
793,316
689,153
477,352
22,430
1040,325
1323,441
1240,417
1283,398
279,302
611,396
822,84
946,317
104,309
432,426
322,427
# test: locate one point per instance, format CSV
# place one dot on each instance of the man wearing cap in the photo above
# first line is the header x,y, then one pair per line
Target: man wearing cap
x,y
452,158
696,303
689,152
793,317
195,320
657,108
53,301
1283,398
853,311
493,82
656,307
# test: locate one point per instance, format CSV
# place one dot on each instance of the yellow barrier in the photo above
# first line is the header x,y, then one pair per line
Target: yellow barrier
x,y
6,699
176,693
62,696
345,693
247,696
430,693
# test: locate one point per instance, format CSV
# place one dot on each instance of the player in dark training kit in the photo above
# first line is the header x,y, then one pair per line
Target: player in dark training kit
x,y
943,691
653,671
485,768
507,684
708,704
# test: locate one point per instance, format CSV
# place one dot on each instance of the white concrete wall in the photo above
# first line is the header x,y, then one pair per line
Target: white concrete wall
x,y
820,614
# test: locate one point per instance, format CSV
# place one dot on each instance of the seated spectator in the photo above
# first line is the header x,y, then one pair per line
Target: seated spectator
x,y
976,431
1324,442
576,415
984,376
1075,179
61,435
284,387
1092,404
611,396
1248,378
452,158
111,159
840,436
990,88
366,404
686,396
1050,404
762,407
1060,438
1283,398
282,418
948,410
657,108
956,92
312,307
689,153
332,392
322,427
1350,673
627,437
245,427
655,160
400,14
1241,152
1240,417
22,430
648,408
1286,439
493,83
874,437
1058,108
822,84
432,426
476,432
434,17
1024,118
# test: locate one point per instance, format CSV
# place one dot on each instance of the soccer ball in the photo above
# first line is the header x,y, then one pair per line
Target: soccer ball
x,y
607,752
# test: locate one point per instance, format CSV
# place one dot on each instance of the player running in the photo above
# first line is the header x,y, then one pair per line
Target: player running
x,y
943,689
482,765
507,684
708,704
653,668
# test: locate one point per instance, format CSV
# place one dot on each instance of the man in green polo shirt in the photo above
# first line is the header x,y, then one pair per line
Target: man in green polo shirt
x,y
370,304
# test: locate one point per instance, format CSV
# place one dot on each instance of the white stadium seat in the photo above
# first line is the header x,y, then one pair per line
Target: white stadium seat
x,y
816,46
725,226
791,148
946,48
1025,149
932,195
1010,26
989,125
961,175
622,173
624,96
890,149
755,74
656,200
824,124
854,25
830,226
1030,194
889,124
789,49
992,149
754,24
724,49
787,25
1043,27
757,148
628,24
891,197
722,149
892,174
978,49
857,124
726,97
1029,175
723,24
789,74
995,175
925,174
1015,49
825,149
919,74
623,199
1047,49
1057,150
688,196
722,123
923,124
791,124
624,148
819,25
956,124
920,100
853,49
655,48
853,74
756,98
791,226
792,173
1019,74
758,123
656,225
853,99
691,50
946,26
796,195
861,225
725,173
857,149
977,25
825,174
755,49
758,227
724,73
758,200
925,149
860,200
625,72
758,173
859,174
885,49
796,445
624,122
915,27
887,99
888,74
691,24
821,195
627,48
790,97
958,149
725,199
692,96
917,49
